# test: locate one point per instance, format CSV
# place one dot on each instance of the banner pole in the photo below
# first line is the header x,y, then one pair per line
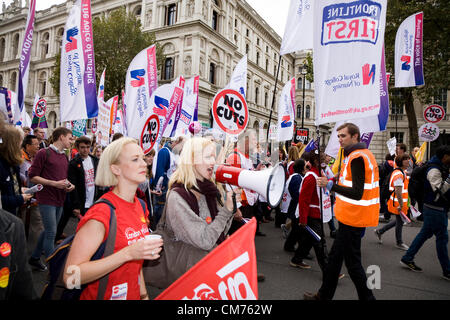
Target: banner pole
x,y
320,174
273,102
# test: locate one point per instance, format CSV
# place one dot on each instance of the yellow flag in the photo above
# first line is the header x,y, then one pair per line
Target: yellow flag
x,y
420,155
338,160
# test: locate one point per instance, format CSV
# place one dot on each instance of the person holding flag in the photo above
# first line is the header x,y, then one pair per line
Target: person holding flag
x,y
357,207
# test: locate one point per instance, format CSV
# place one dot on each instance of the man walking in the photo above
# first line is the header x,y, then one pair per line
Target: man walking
x,y
49,168
435,208
357,207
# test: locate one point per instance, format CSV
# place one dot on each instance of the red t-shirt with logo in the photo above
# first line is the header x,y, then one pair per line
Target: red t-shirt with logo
x,y
132,226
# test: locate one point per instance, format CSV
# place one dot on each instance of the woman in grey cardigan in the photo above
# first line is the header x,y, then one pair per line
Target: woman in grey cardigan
x,y
195,212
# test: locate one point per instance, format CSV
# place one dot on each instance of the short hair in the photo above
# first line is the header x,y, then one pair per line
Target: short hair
x,y
60,131
110,156
402,146
28,140
389,157
299,165
442,151
351,128
82,139
399,159
117,136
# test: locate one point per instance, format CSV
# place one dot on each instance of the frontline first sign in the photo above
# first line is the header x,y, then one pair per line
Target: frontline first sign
x,y
230,111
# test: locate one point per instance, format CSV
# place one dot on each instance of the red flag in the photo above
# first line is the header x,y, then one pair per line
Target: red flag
x,y
226,273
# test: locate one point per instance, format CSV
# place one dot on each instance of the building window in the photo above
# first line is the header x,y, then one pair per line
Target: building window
x,y
59,37
307,84
2,49
257,58
215,21
15,45
212,73
168,69
13,81
1,80
42,83
398,136
299,83
235,22
299,111
247,50
248,32
441,98
45,45
396,105
266,99
307,112
171,14
267,65
257,41
256,95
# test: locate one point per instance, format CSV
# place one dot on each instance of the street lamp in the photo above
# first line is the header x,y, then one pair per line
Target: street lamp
x,y
304,72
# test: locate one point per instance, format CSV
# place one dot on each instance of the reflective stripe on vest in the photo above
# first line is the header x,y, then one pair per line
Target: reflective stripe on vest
x,y
393,201
364,212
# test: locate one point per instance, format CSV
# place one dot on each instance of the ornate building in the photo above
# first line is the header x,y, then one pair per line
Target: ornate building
x,y
199,37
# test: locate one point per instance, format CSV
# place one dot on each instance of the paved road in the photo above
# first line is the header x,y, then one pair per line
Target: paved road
x,y
284,282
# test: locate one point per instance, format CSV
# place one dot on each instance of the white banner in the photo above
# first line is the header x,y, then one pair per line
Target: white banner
x,y
118,125
298,33
238,79
101,86
347,58
78,96
286,111
190,102
408,52
103,123
141,81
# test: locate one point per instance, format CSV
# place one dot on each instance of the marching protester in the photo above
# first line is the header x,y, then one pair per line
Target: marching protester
x,y
384,172
435,208
357,207
13,194
40,134
49,168
398,200
122,166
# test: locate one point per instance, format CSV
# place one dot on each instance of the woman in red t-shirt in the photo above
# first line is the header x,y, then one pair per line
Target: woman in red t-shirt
x,y
122,166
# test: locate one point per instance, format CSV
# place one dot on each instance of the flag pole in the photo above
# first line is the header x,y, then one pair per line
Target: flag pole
x,y
320,174
273,102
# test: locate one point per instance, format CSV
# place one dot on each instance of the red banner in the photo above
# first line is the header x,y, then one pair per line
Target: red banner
x,y
226,273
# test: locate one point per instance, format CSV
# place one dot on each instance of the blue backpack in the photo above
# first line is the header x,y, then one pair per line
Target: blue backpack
x,y
55,288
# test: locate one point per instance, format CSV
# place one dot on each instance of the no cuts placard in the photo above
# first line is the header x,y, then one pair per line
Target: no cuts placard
x,y
230,111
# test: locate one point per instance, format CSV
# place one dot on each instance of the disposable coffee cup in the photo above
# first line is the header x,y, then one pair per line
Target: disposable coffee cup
x,y
152,236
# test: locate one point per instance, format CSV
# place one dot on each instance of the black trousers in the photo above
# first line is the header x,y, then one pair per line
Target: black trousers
x,y
307,241
346,247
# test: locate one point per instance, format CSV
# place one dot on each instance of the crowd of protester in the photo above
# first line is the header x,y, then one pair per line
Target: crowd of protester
x,y
174,186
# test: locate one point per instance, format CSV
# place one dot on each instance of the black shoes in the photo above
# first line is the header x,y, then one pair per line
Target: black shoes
x,y
411,265
260,234
37,264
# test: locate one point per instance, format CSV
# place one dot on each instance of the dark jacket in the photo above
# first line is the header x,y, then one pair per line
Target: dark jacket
x,y
430,195
13,260
76,177
11,201
294,190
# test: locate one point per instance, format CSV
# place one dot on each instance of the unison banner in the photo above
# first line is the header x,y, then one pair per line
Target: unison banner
x,y
347,57
298,33
226,273
286,111
408,52
25,55
141,81
189,106
78,96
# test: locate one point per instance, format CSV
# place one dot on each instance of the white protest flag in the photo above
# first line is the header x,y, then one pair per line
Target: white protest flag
x,y
298,33
286,112
16,114
238,79
347,58
101,86
141,81
118,124
408,52
78,91
169,126
103,123
189,104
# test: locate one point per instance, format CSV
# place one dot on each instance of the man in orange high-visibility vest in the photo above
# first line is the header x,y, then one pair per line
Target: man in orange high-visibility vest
x,y
357,207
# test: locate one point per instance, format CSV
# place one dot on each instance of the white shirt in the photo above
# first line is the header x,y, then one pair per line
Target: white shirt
x,y
89,181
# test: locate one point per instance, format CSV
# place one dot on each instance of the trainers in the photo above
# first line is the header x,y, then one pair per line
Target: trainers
x,y
411,265
300,264
285,231
341,275
446,276
37,264
261,277
311,296
378,234
333,234
402,246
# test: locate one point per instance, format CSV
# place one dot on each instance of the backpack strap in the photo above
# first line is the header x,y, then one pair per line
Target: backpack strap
x,y
109,246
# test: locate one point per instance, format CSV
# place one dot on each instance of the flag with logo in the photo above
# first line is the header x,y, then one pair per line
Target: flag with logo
x,y
113,102
101,86
347,58
79,127
173,115
226,273
409,52
25,55
298,33
188,107
141,81
118,124
78,90
36,121
238,80
286,111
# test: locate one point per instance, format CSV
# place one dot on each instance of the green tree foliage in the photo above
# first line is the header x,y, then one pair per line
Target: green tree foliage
x,y
436,33
118,38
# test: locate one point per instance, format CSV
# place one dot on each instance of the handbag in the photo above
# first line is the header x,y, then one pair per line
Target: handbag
x,y
175,259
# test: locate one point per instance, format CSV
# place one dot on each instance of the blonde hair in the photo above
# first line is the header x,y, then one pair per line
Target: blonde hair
x,y
293,153
110,156
191,154
11,142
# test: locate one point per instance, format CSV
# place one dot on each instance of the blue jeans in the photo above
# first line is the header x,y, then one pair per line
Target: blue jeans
x,y
46,241
435,222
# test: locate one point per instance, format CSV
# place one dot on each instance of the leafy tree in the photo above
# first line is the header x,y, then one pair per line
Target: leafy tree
x,y
118,38
436,57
